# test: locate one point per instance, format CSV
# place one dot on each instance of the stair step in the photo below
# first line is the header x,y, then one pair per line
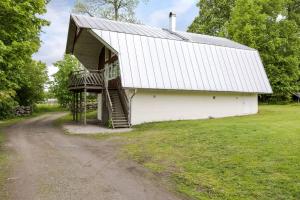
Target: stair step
x,y
120,120
123,124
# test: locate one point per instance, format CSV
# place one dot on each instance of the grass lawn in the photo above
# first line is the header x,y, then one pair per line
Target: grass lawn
x,y
69,118
252,157
43,108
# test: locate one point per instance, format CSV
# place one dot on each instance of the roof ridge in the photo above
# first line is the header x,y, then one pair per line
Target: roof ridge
x,y
151,31
178,35
114,21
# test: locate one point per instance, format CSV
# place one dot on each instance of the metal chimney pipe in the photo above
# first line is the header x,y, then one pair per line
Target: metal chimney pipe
x,y
172,21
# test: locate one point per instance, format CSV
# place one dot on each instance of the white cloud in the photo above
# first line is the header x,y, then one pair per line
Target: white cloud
x,y
180,7
54,37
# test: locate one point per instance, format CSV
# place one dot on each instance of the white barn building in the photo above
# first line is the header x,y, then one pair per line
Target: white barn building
x,y
151,74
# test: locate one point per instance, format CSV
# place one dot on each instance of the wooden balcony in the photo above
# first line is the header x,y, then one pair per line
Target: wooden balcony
x,y
91,81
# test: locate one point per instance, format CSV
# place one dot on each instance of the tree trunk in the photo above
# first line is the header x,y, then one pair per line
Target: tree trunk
x,y
116,7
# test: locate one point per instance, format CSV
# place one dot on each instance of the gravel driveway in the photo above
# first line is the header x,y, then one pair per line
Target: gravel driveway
x,y
50,165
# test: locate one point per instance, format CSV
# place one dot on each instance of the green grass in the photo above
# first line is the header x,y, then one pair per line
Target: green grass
x,y
68,118
251,157
43,108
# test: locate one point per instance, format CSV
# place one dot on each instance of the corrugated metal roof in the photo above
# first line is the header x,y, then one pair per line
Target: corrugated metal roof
x,y
207,39
156,63
121,27
159,59
144,30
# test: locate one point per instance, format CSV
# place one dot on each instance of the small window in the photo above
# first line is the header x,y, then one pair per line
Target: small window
x,y
112,70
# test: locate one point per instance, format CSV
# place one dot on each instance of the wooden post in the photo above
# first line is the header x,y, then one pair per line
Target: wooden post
x,y
84,106
85,76
73,106
80,105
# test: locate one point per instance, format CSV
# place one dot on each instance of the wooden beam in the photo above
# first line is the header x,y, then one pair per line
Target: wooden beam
x,y
80,101
77,34
73,106
85,96
85,106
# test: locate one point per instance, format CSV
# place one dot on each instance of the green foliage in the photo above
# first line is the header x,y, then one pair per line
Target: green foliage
x,y
20,26
251,157
59,86
32,85
45,108
271,27
119,10
6,107
212,16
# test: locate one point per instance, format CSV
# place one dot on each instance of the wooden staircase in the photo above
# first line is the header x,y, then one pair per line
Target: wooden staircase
x,y
119,117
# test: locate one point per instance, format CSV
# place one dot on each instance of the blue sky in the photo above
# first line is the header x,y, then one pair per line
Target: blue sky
x,y
153,13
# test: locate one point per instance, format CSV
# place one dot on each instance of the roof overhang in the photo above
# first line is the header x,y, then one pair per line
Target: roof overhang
x,y
84,45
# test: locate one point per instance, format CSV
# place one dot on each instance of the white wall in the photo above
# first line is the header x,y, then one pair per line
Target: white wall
x,y
154,105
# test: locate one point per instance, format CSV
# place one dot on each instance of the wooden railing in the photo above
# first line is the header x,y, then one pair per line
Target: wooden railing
x,y
84,78
108,101
124,99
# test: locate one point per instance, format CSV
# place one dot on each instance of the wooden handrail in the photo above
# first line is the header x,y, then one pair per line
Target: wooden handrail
x,y
124,99
109,99
109,106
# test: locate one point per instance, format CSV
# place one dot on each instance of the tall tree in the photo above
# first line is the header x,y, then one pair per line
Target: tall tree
x,y
119,10
59,87
31,87
20,26
213,14
270,26
263,25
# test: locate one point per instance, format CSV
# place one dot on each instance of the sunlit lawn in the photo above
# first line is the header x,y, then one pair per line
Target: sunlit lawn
x,y
252,157
43,108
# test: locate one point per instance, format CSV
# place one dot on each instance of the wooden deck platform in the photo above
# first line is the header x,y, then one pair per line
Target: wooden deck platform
x,y
89,81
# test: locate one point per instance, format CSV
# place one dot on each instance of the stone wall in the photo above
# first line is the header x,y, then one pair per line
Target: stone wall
x,y
23,111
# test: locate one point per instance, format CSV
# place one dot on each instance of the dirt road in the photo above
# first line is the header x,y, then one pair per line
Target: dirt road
x,y
50,165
